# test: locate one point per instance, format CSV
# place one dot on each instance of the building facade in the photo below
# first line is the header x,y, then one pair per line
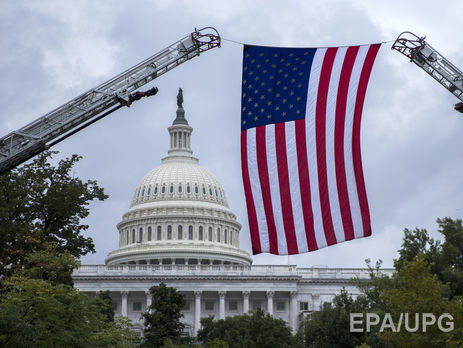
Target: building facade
x,y
180,230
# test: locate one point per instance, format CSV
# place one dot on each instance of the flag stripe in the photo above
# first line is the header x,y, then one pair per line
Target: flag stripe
x,y
265,188
330,122
256,189
312,95
341,102
285,192
320,123
252,217
304,184
357,158
272,166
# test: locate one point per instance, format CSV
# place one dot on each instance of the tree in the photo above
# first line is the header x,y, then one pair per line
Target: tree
x,y
162,318
37,313
419,291
41,208
444,259
248,331
330,327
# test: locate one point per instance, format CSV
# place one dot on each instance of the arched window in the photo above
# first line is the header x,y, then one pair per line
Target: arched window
x,y
188,189
149,191
133,236
158,237
127,236
156,190
190,232
143,192
204,190
163,189
138,193
216,193
196,189
180,232
171,188
149,233
225,236
180,188
218,235
210,191
180,140
210,234
140,235
200,233
169,232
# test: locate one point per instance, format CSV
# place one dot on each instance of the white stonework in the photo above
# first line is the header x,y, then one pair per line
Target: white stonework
x,y
180,230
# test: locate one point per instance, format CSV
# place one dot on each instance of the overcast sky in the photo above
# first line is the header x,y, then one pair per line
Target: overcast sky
x,y
412,139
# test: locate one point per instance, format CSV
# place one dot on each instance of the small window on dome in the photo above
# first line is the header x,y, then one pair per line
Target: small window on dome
x,y
169,232
188,189
143,192
159,233
149,233
133,236
225,236
140,235
138,193
210,191
149,191
180,188
190,232
218,235
204,190
156,190
210,234
171,190
127,232
180,232
163,189
196,189
200,233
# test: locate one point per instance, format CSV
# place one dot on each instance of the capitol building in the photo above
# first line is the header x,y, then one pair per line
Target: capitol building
x,y
180,230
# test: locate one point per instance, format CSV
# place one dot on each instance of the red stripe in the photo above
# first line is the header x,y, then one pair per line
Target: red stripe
x,y
252,216
340,118
320,134
264,184
357,158
304,184
285,191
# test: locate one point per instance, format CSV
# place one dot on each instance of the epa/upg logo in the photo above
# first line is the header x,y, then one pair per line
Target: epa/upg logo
x,y
424,320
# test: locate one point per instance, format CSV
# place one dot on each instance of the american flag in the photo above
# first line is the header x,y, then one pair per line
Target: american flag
x,y
300,146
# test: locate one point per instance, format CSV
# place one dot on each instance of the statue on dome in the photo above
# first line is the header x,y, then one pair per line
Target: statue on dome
x,y
180,98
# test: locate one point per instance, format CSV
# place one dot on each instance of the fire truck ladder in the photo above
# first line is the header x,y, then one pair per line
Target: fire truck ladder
x,y
431,61
121,90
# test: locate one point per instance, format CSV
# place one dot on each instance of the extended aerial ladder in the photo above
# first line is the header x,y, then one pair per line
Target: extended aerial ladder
x,y
431,61
53,127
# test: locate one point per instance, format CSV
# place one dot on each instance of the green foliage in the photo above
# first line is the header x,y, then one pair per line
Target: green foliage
x,y
248,331
162,319
106,305
419,291
37,313
41,207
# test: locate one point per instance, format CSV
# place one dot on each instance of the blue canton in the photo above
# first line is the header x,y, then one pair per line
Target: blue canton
x,y
275,83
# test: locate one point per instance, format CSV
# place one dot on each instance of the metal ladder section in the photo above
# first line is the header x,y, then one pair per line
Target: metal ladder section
x,y
431,61
24,143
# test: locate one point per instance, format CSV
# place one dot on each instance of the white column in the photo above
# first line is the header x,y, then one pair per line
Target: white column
x,y
294,312
270,302
124,303
197,311
246,301
148,299
222,304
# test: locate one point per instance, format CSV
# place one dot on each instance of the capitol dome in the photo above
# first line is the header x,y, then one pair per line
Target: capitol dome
x,y
179,212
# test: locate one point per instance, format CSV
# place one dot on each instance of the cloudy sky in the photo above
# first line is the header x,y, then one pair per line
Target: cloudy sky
x,y
412,139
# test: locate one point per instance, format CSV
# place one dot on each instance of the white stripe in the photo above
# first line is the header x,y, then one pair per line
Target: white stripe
x,y
293,173
348,129
256,188
275,188
329,131
312,145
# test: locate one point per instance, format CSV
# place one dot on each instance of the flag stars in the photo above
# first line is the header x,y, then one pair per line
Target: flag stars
x,y
256,78
285,88
291,106
269,103
249,100
286,75
253,60
249,113
299,86
278,82
288,64
271,77
269,116
256,91
292,93
267,60
256,118
293,80
277,108
298,112
244,121
283,114
262,84
262,97
269,90
295,69
251,73
298,98
284,100
256,105
258,66
262,110
277,95
300,73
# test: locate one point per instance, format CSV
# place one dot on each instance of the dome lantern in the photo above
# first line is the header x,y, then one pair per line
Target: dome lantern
x,y
180,132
